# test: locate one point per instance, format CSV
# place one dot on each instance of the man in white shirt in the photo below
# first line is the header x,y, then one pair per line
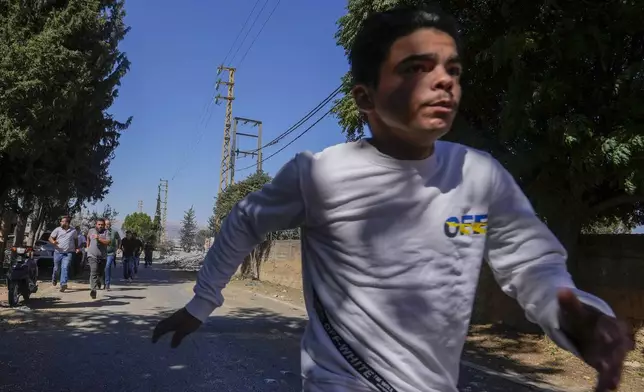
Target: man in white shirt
x,y
65,241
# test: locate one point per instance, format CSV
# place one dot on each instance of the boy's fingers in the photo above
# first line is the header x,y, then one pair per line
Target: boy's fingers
x,y
162,328
177,338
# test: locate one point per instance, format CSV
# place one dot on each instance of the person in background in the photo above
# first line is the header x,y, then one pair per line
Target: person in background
x,y
82,244
115,243
128,247
65,241
147,252
137,253
98,241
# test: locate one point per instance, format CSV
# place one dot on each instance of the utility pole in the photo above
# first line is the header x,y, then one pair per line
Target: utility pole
x,y
256,153
163,190
140,206
226,146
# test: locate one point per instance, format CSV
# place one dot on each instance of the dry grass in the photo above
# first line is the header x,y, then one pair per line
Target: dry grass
x,y
538,357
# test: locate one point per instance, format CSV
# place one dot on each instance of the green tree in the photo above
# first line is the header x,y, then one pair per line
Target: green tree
x,y
225,202
200,238
59,74
188,232
141,224
608,226
212,226
157,214
552,95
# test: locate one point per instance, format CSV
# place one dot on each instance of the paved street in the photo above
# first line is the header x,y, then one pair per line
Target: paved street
x,y
74,343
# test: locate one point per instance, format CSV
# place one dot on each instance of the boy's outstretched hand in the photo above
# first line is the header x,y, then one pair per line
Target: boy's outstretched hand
x,y
602,341
181,323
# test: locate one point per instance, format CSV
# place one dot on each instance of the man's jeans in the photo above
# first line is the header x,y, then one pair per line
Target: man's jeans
x,y
61,263
137,260
110,263
128,267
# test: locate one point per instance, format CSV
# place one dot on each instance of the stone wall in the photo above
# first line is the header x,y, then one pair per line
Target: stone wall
x,y
610,266
284,264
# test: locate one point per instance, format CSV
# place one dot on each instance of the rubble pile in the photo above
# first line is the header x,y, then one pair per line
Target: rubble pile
x,y
185,261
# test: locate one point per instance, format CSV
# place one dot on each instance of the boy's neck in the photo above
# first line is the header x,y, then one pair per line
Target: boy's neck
x,y
401,150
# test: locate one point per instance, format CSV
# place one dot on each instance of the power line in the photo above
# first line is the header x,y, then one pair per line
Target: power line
x,y
240,31
258,34
304,119
230,49
292,141
206,112
249,30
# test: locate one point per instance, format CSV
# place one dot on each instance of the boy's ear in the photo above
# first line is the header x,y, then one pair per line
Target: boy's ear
x,y
363,99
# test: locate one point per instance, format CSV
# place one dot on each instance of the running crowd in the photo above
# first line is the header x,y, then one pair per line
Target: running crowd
x,y
98,248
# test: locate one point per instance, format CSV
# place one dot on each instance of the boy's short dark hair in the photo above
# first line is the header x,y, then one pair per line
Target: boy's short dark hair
x,y
380,30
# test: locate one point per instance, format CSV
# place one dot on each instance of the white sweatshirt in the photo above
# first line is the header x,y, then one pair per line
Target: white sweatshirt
x,y
393,250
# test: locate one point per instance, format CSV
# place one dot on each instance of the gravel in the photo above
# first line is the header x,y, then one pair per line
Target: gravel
x,y
188,261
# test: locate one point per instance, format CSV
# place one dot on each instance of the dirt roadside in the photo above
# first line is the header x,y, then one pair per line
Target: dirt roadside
x,y
532,356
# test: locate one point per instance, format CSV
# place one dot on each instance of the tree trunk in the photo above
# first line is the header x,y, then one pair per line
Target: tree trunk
x,y
34,225
5,228
19,232
26,211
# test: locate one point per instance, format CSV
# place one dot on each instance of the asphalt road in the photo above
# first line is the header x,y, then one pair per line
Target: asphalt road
x,y
69,342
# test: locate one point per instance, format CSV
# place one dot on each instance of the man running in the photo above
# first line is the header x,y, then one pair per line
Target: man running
x,y
137,253
128,248
82,245
147,252
394,229
115,243
98,240
65,241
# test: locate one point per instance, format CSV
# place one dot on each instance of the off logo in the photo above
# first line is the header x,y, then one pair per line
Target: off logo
x,y
466,225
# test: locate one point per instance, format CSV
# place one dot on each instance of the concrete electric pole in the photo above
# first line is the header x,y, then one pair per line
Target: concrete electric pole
x,y
225,174
236,152
163,190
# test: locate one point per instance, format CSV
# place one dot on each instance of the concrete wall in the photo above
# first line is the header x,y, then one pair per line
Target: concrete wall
x,y
610,266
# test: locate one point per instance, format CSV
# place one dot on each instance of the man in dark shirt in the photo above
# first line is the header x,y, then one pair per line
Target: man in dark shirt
x,y
137,253
147,251
128,247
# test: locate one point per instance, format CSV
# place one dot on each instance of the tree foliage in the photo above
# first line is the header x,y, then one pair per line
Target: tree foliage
x,y
554,91
156,223
225,202
188,232
234,194
141,224
60,69
201,237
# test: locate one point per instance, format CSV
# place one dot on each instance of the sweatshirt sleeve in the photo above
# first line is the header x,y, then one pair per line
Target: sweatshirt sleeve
x,y
527,260
277,206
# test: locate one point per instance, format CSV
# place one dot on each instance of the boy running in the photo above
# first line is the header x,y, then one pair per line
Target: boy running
x,y
394,229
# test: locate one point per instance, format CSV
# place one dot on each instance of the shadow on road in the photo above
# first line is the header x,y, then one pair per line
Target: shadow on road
x,y
252,349
171,275
42,303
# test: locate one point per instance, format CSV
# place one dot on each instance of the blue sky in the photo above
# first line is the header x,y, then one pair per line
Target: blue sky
x,y
175,48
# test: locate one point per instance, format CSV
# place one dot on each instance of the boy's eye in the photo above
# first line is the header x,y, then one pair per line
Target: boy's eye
x,y
417,68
